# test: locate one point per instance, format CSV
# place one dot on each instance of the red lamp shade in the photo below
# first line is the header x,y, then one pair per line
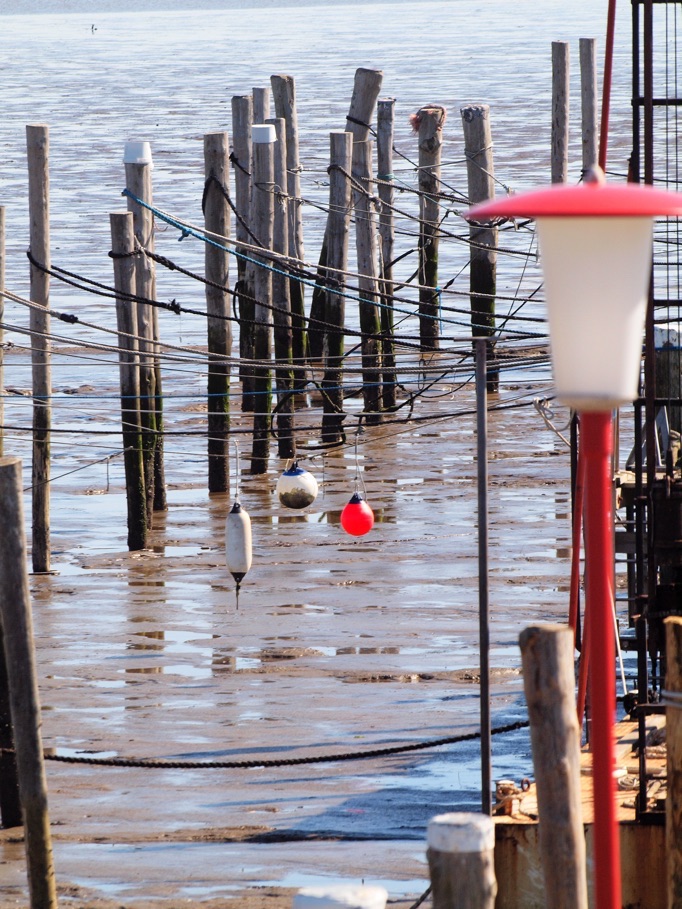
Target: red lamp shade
x,y
357,518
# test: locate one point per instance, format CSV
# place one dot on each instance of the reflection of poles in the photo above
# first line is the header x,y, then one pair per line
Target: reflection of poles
x,y
483,604
597,439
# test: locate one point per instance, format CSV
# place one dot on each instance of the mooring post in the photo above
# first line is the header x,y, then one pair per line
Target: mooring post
x,y
281,313
429,127
478,150
10,803
38,151
217,265
263,138
673,722
338,227
461,861
137,158
386,192
123,252
2,319
17,625
588,99
549,685
340,896
242,122
261,104
284,96
560,110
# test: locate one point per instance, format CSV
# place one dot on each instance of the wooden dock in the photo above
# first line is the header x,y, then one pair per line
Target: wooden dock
x,y
643,854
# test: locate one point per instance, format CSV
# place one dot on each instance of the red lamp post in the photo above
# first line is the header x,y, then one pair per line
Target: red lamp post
x,y
596,248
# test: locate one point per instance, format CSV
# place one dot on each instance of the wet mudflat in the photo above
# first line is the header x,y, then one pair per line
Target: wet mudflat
x,y
338,645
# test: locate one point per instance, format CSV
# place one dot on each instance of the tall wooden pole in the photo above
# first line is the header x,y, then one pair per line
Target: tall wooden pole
x,y
478,149
588,98
261,104
341,152
217,264
549,685
2,317
281,287
242,122
10,803
284,96
38,149
17,625
123,250
430,137
264,213
560,110
386,192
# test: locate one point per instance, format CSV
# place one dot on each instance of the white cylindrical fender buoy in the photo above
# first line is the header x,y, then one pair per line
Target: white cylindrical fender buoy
x,y
296,487
238,542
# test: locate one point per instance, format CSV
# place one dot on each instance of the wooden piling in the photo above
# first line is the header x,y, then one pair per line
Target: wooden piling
x,y
460,854
263,221
560,110
123,249
261,104
281,286
284,96
341,152
2,318
17,625
386,192
138,173
217,265
588,99
549,685
478,150
38,147
368,281
673,809
430,139
242,122
10,803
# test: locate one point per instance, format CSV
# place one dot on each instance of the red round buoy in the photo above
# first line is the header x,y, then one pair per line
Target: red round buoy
x,y
357,518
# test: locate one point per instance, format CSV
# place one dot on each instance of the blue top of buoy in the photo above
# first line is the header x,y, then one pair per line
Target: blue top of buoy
x,y
355,499
294,470
236,508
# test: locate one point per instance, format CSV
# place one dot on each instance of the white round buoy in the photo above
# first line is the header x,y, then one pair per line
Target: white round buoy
x,y
341,896
296,487
238,542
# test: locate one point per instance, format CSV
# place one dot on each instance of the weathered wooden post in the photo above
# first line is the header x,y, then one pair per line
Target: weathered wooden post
x,y
549,685
340,896
261,104
429,126
2,317
122,252
588,98
263,138
560,110
673,808
284,96
478,150
38,150
217,265
341,153
10,803
242,122
281,314
137,158
461,861
386,192
17,625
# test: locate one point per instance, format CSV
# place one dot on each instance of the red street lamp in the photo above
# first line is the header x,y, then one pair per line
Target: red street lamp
x,y
596,249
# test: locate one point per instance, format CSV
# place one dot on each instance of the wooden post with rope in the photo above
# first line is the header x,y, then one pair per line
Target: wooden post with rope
x,y
428,123
242,122
217,264
549,685
281,286
263,138
386,193
478,149
38,149
341,152
560,110
284,97
17,627
123,250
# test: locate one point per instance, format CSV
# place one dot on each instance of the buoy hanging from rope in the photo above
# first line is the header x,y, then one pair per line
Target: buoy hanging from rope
x,y
238,549
357,518
296,487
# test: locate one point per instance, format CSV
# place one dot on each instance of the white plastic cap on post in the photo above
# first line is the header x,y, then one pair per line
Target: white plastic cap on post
x,y
461,831
341,896
263,133
137,152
